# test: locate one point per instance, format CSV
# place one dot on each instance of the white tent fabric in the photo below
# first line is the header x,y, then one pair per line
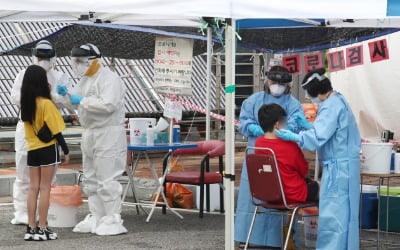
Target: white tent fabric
x,y
308,9
125,19
236,9
393,22
371,89
223,8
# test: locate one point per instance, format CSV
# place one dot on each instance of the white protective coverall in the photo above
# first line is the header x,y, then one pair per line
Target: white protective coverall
x,y
104,148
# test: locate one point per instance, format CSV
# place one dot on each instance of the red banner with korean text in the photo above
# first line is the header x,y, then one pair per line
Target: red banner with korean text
x,y
292,63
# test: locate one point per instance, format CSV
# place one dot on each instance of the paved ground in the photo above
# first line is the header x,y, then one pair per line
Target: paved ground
x,y
163,232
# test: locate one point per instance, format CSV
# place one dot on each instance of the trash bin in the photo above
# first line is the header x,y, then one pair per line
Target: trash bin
x,y
369,207
393,200
64,203
310,217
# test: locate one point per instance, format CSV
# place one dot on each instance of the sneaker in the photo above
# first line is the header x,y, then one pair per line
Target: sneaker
x,y
44,234
30,233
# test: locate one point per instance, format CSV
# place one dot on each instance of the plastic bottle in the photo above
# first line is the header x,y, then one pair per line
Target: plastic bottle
x,y
397,161
176,132
392,162
150,136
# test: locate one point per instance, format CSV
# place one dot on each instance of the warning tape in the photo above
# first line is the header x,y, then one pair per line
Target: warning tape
x,y
199,109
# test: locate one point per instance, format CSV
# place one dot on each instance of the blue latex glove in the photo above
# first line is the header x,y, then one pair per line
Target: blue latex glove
x,y
301,120
289,127
62,89
256,130
75,99
287,135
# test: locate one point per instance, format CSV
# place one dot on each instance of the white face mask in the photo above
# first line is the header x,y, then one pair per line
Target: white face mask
x,y
277,89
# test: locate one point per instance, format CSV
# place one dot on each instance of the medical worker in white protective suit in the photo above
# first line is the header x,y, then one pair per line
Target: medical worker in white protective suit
x,y
43,55
336,137
99,98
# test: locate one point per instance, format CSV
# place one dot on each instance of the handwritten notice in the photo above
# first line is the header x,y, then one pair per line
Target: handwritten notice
x,y
173,109
173,65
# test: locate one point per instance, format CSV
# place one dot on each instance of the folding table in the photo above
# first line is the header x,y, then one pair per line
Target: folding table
x,y
142,150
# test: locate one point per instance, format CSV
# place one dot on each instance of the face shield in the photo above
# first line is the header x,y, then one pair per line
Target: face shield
x,y
46,63
314,100
320,78
279,77
80,65
44,55
278,82
83,57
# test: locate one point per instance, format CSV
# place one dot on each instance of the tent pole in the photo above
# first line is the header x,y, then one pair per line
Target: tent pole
x,y
208,92
230,55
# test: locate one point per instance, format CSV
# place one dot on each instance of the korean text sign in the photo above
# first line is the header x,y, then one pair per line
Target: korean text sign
x,y
173,65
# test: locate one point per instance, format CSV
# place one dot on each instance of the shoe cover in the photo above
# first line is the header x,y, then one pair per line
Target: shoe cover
x,y
111,225
20,219
88,225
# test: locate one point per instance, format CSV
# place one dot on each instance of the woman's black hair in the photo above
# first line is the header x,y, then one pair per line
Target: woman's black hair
x,y
316,86
269,114
34,85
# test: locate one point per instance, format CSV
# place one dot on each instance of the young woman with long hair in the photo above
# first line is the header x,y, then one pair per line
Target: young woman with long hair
x,y
37,111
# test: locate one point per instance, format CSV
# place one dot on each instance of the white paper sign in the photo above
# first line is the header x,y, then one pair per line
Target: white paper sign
x,y
173,109
173,65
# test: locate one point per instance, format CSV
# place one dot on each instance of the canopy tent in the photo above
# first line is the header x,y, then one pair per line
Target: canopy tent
x,y
121,41
236,9
135,42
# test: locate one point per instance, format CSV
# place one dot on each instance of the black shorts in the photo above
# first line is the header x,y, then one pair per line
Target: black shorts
x,y
49,155
313,189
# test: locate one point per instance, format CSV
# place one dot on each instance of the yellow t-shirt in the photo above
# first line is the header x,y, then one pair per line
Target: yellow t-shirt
x,y
46,112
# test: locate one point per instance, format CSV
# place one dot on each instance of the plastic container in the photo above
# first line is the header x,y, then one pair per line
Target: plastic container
x,y
138,126
62,216
150,136
392,162
310,217
393,224
214,197
393,191
369,207
64,203
176,133
376,158
397,163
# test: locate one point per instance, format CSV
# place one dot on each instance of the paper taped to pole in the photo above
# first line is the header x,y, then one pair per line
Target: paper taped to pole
x,y
172,109
173,65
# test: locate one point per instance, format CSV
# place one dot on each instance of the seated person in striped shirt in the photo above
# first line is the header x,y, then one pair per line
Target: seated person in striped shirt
x,y
292,165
